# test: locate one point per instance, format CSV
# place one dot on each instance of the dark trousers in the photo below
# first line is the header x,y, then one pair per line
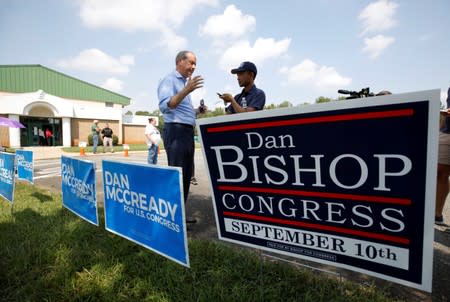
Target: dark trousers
x,y
179,145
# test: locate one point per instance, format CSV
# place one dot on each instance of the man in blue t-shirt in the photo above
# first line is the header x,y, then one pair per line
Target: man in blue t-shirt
x,y
251,98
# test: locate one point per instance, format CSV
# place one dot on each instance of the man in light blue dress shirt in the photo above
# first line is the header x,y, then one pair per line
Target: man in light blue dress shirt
x,y
179,115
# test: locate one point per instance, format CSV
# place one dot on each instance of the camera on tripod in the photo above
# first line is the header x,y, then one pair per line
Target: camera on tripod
x,y
363,93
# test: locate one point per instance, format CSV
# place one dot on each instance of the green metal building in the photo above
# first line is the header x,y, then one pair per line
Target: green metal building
x,y
30,78
42,98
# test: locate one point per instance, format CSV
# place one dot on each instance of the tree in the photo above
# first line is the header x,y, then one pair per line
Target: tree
x,y
155,113
160,124
322,99
285,104
216,112
146,113
270,106
129,112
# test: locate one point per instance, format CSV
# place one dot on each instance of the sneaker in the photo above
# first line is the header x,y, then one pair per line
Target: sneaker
x,y
191,220
194,181
439,220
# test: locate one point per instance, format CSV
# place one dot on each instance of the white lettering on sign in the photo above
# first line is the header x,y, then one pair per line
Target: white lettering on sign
x,y
362,216
291,240
77,186
273,169
118,189
21,161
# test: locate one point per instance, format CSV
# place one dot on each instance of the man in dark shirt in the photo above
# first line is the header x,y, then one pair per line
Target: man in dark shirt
x,y
251,98
107,138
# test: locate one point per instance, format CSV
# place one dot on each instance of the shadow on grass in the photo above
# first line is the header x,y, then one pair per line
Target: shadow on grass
x,y
49,254
42,197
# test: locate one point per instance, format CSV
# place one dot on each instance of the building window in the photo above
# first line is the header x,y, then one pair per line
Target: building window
x,y
109,104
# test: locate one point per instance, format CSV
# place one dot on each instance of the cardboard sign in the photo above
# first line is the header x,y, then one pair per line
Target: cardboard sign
x,y
7,179
25,167
78,188
348,183
144,204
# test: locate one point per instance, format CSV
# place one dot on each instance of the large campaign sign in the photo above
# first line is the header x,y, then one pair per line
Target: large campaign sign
x,y
349,183
144,204
7,179
78,188
25,168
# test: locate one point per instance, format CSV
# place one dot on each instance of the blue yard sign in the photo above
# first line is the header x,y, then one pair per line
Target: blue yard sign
x,y
24,159
349,183
144,204
78,188
7,179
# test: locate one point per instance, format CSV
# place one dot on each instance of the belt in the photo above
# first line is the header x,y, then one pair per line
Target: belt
x,y
181,124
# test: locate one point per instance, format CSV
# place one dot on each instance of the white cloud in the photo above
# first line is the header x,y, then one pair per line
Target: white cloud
x,y
262,50
376,45
197,95
163,16
171,41
113,84
310,73
378,16
132,15
96,60
231,23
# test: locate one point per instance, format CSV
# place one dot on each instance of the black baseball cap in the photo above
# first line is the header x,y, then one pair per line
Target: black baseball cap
x,y
245,66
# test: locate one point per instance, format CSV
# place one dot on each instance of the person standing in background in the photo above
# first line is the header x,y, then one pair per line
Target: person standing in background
x,y
153,138
95,130
201,109
179,115
107,135
443,171
42,140
49,137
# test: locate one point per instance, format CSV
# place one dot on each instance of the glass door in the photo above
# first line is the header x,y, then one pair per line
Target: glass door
x,y
41,131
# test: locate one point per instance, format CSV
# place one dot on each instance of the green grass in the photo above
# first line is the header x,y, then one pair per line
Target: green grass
x,y
118,148
49,254
9,150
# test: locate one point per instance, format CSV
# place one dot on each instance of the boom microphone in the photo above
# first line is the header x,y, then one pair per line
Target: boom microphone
x,y
342,91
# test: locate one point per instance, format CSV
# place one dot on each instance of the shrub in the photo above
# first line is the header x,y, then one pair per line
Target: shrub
x,y
100,141
91,141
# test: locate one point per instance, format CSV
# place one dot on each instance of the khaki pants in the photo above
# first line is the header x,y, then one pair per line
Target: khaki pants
x,y
108,141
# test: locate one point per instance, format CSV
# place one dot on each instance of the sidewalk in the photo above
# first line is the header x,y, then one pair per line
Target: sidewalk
x,y
56,152
46,152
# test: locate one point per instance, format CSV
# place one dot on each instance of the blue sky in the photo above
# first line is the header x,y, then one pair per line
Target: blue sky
x,y
303,49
